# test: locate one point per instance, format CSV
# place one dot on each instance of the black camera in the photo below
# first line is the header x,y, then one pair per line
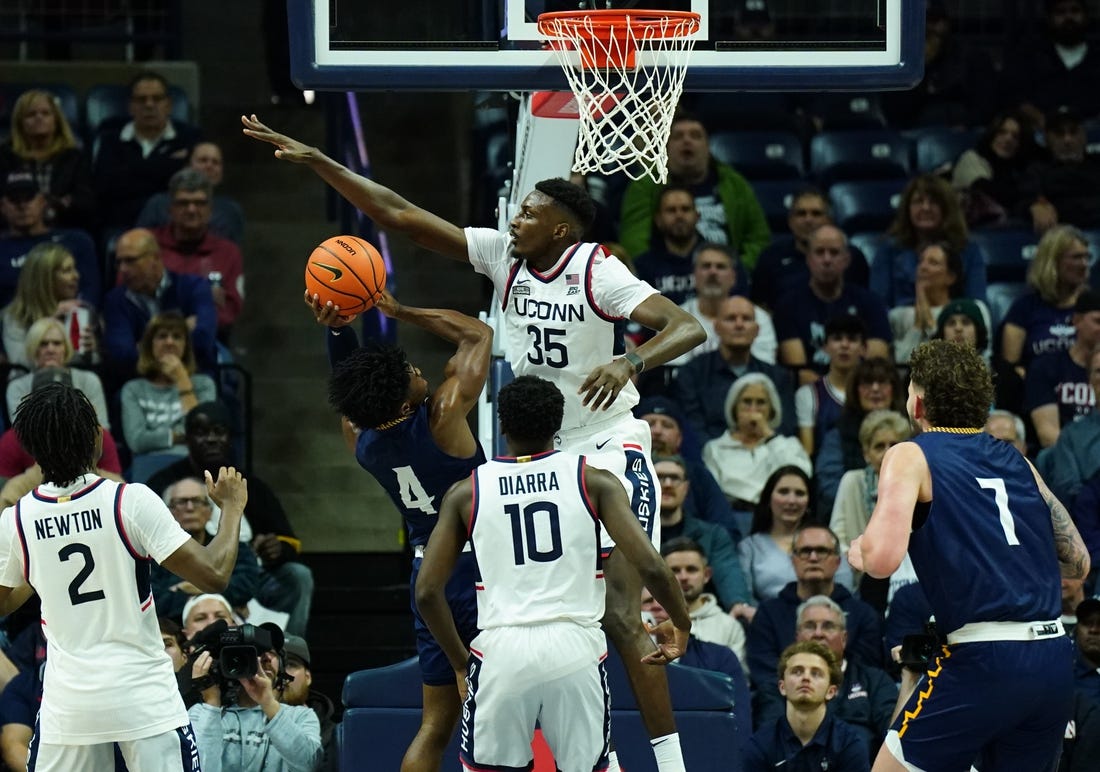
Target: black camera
x,y
917,650
236,649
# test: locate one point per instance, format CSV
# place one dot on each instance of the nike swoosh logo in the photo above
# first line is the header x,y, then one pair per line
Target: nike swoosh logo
x,y
336,272
522,281
599,445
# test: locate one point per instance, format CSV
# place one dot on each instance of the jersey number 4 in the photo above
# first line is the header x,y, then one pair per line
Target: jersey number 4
x,y
413,495
1000,498
76,595
525,532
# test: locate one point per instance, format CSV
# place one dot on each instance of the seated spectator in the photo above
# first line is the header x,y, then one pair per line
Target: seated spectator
x,y
938,280
187,245
709,621
1057,390
783,509
700,654
807,736
49,351
258,732
801,326
743,458
42,144
155,403
713,540
781,267
818,404
715,278
134,159
1055,68
857,493
1087,637
299,692
1006,425
285,583
965,321
201,611
867,694
667,264
1085,511
874,385
1075,455
990,176
816,557
728,209
929,212
147,288
172,635
1066,188
22,474
1081,746
23,208
189,503
226,216
49,285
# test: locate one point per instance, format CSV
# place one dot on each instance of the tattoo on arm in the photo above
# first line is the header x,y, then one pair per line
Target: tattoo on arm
x,y
1072,556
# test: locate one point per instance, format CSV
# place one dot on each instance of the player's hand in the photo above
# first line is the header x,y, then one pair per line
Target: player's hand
x,y
388,304
602,386
286,149
231,488
855,554
326,313
671,643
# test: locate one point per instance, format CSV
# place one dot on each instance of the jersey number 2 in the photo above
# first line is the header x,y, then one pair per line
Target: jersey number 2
x,y
525,537
1000,498
76,597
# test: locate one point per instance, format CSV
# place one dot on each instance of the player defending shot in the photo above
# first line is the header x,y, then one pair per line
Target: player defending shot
x,y
416,444
989,543
560,299
530,518
84,544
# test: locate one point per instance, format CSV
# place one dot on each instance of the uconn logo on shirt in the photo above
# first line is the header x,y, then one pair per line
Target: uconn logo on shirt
x,y
546,311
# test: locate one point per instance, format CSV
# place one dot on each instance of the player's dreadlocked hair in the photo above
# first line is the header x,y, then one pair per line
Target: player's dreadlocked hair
x,y
58,426
958,388
369,385
572,199
530,409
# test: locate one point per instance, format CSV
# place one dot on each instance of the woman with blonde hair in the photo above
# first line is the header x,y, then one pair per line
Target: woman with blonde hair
x,y
1040,321
48,350
154,404
49,284
42,143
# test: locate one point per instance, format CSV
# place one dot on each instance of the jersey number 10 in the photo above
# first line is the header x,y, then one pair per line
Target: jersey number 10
x,y
525,534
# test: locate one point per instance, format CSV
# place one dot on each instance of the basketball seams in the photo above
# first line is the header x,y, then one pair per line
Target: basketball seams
x,y
354,265
379,283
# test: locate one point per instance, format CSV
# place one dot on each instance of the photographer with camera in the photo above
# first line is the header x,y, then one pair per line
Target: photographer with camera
x,y
240,725
989,543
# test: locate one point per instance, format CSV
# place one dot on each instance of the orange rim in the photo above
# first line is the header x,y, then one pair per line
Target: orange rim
x,y
609,21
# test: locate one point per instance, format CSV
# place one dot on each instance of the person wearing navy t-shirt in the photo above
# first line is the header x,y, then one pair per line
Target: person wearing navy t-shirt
x,y
668,263
416,444
1057,390
990,545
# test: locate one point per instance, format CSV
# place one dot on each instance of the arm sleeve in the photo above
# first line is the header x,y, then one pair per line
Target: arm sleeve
x,y
295,733
636,221
804,407
11,555
615,290
206,720
149,525
340,344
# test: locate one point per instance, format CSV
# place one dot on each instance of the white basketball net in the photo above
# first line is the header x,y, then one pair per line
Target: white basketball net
x,y
625,113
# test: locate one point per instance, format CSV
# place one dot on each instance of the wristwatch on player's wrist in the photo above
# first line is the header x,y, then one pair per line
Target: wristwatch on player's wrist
x,y
635,361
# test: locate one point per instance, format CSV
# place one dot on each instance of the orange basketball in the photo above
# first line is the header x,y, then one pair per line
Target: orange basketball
x,y
347,271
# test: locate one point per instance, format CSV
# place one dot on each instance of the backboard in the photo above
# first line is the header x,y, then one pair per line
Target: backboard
x,y
743,45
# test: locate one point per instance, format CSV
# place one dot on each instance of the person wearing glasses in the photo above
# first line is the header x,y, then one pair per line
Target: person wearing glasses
x,y
815,555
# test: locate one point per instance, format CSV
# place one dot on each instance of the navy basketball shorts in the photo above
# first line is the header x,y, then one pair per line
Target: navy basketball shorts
x,y
435,668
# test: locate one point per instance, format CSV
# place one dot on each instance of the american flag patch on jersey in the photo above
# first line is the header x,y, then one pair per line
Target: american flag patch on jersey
x,y
572,279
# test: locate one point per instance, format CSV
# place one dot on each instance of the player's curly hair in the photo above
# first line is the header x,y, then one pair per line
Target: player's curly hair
x,y
369,385
57,425
836,677
958,387
572,199
530,410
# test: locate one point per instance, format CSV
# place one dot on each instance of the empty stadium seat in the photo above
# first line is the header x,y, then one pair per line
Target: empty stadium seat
x,y
1007,253
113,101
870,244
66,97
775,199
865,206
760,155
837,156
1001,296
843,111
941,146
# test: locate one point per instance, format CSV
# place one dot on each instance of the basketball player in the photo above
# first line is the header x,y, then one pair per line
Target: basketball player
x,y
560,301
531,519
990,544
416,444
84,544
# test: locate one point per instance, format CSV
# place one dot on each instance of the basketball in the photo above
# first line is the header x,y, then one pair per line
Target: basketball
x,y
347,271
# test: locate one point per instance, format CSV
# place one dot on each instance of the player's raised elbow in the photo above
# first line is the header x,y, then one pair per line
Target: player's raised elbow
x,y
880,560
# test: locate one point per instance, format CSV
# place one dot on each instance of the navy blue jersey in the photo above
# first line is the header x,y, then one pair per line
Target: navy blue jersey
x,y
805,314
405,460
985,552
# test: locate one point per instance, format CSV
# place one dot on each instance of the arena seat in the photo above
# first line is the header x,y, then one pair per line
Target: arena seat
x,y
837,156
865,206
1007,253
940,146
869,243
760,155
1001,296
838,111
775,199
382,714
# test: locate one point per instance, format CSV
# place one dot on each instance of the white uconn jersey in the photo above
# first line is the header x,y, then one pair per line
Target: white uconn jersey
x,y
560,325
536,539
87,549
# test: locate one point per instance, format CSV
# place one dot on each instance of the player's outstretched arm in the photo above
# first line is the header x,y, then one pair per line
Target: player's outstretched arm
x,y
209,568
882,546
1073,556
385,207
609,498
445,545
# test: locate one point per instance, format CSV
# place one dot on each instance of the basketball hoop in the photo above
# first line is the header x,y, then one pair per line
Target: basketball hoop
x,y
624,108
